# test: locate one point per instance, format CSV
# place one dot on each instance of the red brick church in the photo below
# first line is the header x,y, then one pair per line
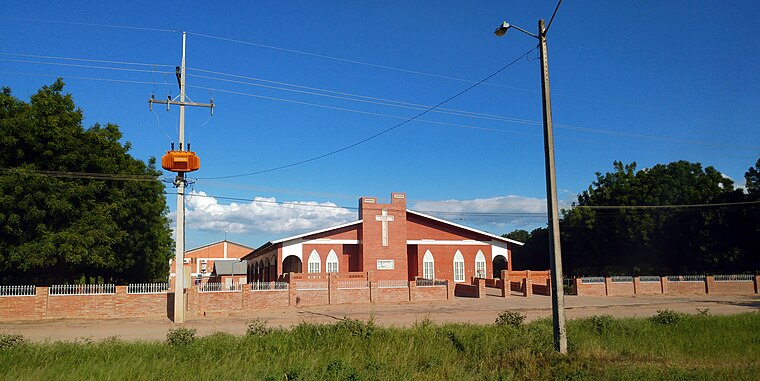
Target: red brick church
x,y
393,242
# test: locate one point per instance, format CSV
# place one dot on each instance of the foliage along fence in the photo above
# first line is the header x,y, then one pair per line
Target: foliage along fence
x,y
671,284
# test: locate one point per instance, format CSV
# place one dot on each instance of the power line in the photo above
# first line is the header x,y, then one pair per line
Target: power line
x,y
86,60
81,175
377,134
361,98
80,78
92,24
620,207
351,61
312,205
86,66
454,112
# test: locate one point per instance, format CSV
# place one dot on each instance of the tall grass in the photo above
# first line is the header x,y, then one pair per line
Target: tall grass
x,y
696,347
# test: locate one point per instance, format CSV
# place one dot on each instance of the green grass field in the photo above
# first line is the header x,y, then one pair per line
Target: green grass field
x,y
673,347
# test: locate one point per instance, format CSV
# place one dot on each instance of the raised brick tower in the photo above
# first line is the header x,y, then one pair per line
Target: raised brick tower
x,y
383,237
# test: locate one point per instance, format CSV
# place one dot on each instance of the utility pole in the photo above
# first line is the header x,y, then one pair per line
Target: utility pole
x,y
179,183
555,249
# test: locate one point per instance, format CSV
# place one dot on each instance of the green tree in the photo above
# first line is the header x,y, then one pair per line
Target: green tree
x,y
519,235
752,176
661,240
56,226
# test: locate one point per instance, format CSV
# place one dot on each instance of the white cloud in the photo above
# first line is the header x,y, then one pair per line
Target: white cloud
x,y
263,214
492,214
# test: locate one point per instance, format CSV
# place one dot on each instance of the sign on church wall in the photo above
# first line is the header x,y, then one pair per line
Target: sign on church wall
x,y
386,264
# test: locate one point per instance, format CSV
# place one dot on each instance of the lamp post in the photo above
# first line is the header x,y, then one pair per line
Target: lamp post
x,y
555,250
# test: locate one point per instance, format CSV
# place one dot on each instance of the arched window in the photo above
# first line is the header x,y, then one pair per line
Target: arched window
x,y
315,263
480,265
428,266
332,262
458,267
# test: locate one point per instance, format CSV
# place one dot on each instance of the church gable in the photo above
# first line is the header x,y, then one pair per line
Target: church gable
x,y
341,233
421,228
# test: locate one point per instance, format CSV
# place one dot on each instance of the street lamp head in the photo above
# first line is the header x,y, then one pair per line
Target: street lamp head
x,y
502,29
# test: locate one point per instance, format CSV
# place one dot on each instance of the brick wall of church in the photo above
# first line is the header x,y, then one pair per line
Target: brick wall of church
x,y
444,259
372,248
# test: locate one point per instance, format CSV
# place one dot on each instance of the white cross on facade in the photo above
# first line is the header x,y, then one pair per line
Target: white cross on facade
x,y
385,218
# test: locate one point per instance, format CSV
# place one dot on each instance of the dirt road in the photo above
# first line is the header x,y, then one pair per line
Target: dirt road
x,y
398,314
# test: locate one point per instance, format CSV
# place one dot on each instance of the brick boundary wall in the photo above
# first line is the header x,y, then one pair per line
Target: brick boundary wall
x,y
666,287
123,305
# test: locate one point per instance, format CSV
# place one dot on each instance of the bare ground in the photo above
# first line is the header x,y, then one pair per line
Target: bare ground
x,y
393,314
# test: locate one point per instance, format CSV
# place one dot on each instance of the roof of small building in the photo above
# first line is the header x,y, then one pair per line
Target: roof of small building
x,y
230,267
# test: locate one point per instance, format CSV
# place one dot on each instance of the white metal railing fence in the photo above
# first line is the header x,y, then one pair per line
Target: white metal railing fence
x,y
147,288
82,289
269,286
352,284
220,287
686,278
735,278
398,283
592,279
311,285
23,290
420,282
649,279
621,279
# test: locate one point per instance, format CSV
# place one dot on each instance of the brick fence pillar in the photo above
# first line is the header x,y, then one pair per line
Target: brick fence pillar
x,y
412,286
636,284
664,284
332,288
481,287
41,301
506,285
757,283
450,286
549,286
607,283
709,284
576,286
292,301
527,284
372,291
120,303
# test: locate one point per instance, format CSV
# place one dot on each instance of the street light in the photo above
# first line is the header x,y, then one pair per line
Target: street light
x,y
555,250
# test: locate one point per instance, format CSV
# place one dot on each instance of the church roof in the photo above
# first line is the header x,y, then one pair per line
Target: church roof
x,y
216,243
496,237
274,242
281,240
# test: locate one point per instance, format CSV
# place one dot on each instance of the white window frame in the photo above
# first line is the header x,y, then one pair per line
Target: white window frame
x,y
480,265
428,266
331,264
315,263
458,267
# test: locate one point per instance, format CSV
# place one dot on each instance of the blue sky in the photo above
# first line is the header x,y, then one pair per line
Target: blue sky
x,y
645,81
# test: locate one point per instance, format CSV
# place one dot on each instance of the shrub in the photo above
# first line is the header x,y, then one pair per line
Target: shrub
x,y
667,317
425,323
180,336
11,340
356,327
703,311
510,318
257,327
601,323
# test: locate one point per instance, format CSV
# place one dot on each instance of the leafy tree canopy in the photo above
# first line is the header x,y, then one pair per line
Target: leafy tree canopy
x,y
670,240
59,227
